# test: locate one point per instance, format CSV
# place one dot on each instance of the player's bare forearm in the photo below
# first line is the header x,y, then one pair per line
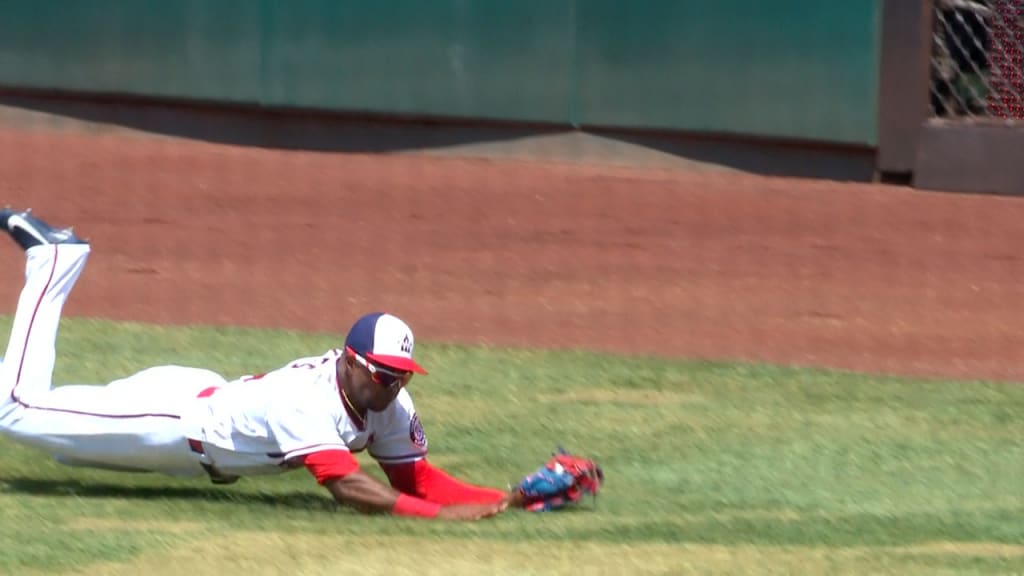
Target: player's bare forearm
x,y
362,492
367,495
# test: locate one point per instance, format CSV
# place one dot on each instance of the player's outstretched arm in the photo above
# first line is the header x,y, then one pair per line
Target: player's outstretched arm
x,y
423,480
339,472
362,492
365,493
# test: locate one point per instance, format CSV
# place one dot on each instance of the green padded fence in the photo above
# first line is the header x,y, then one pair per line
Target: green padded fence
x,y
793,69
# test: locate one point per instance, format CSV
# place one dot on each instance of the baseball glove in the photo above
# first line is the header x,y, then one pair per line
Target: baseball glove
x,y
561,481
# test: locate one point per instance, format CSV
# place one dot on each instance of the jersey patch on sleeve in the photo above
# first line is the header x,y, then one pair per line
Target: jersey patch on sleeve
x,y
416,432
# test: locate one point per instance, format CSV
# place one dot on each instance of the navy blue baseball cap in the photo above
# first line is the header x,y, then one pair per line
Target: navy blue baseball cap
x,y
384,339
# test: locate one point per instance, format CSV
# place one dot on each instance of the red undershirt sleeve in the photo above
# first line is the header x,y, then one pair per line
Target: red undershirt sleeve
x,y
329,464
424,481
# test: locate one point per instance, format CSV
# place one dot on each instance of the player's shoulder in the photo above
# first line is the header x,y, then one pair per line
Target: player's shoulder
x,y
307,368
306,365
324,360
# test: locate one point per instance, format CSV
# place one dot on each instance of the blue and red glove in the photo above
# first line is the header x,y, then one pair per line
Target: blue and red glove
x,y
561,481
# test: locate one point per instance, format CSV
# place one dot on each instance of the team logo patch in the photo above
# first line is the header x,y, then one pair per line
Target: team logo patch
x,y
407,345
416,432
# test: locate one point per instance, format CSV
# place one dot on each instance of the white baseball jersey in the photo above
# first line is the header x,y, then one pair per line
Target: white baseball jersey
x,y
165,419
256,424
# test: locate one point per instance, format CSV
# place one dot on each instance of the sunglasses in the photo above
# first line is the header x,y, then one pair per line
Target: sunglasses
x,y
383,376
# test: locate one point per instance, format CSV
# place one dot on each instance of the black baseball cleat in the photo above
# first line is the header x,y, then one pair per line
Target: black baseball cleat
x,y
27,230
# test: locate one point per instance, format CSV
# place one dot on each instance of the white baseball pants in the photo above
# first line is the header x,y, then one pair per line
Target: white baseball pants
x,y
132,424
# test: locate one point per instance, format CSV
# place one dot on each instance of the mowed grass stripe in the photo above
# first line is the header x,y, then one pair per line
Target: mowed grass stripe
x,y
711,467
281,553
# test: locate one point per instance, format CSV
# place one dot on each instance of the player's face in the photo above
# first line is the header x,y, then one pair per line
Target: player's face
x,y
383,384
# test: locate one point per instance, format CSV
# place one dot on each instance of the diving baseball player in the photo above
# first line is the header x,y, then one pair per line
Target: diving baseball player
x,y
314,412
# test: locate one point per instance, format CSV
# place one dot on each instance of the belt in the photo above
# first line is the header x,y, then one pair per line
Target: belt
x,y
197,445
216,476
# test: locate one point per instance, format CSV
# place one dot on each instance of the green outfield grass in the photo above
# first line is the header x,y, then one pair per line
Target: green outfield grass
x,y
711,468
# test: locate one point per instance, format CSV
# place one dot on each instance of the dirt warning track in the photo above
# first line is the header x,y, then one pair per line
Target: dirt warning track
x,y
505,252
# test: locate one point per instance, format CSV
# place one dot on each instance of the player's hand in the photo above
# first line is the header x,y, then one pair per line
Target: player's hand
x,y
471,511
514,498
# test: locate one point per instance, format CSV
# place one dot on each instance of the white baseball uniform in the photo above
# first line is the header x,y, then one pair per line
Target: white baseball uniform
x,y
175,419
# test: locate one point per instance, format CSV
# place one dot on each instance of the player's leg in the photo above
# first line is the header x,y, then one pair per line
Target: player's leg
x,y
136,423
73,421
50,273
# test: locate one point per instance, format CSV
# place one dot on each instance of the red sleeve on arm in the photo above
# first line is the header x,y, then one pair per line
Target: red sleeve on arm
x,y
330,464
424,481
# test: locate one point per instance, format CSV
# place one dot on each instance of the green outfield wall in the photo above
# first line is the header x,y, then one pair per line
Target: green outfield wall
x,y
803,69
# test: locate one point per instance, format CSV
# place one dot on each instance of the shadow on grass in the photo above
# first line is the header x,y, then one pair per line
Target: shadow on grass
x,y
211,494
